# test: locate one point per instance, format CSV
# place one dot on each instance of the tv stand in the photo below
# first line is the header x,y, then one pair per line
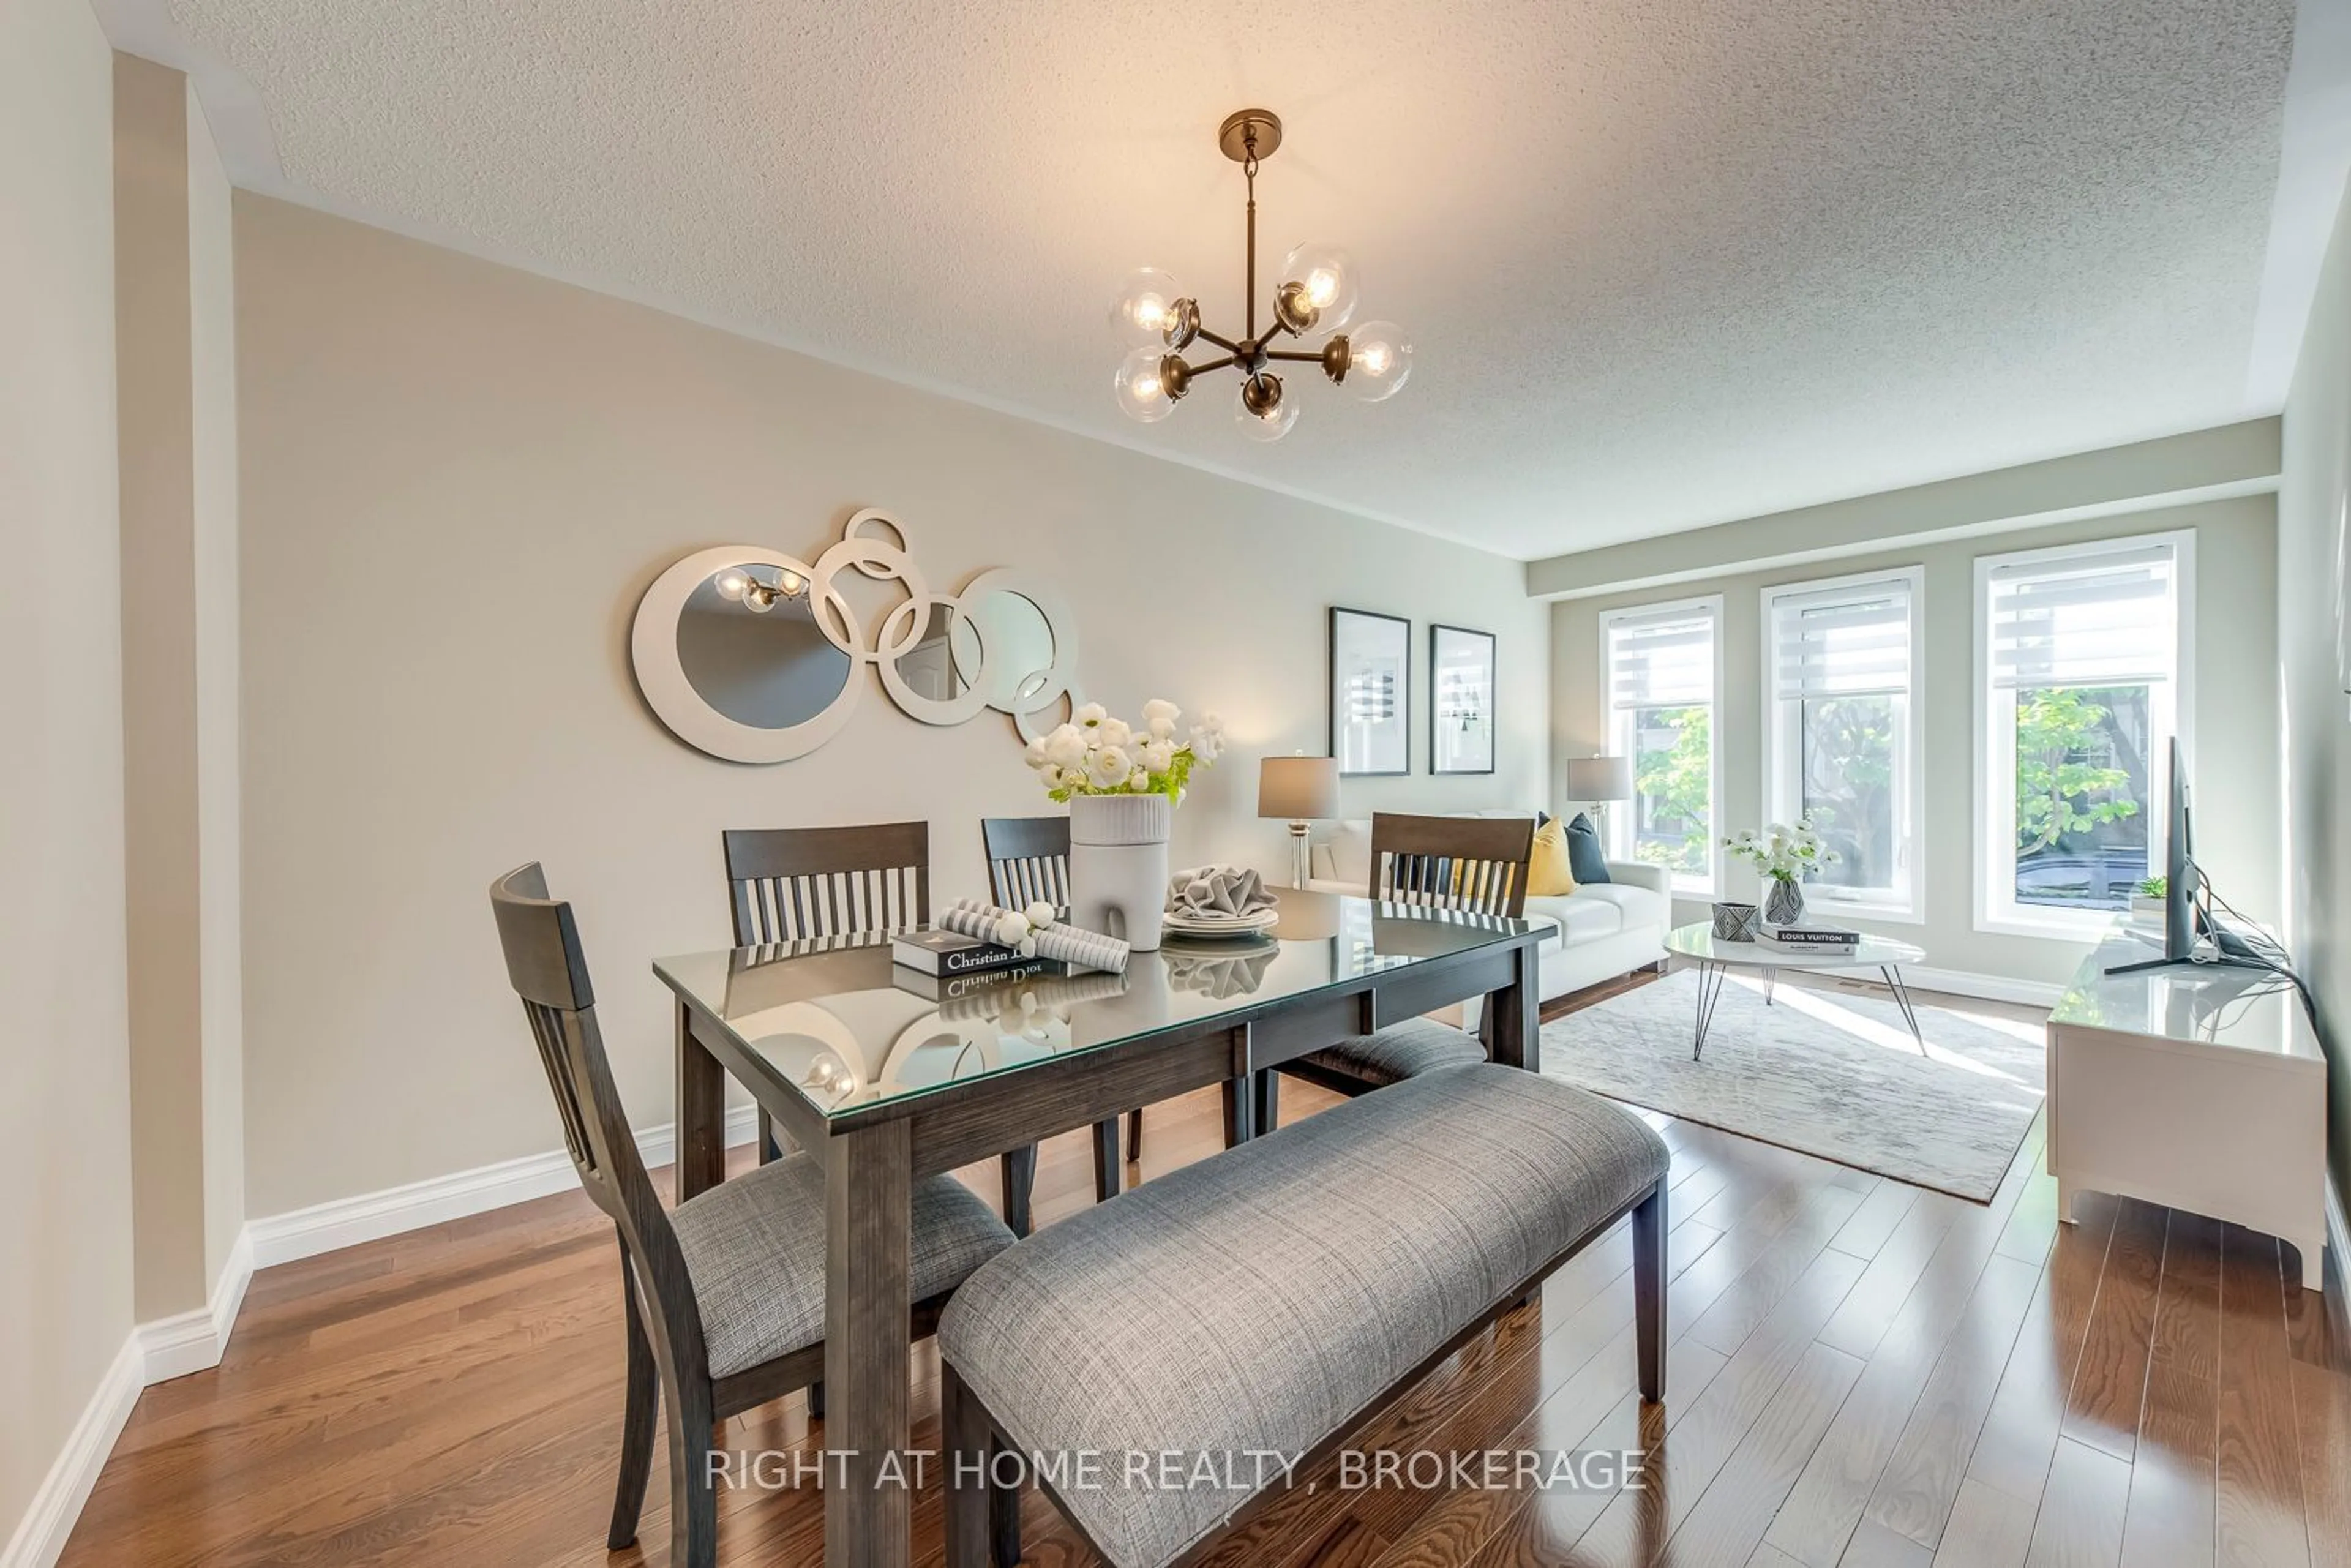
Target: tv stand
x,y
2148,965
2195,1086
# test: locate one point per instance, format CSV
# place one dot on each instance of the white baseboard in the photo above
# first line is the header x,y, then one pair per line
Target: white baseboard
x,y
348,1221
40,1536
192,1341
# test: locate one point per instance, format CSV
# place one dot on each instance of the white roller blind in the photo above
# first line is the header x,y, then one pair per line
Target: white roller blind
x,y
1851,641
2103,619
1661,659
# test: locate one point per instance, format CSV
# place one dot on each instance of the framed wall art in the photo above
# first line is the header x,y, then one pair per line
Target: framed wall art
x,y
1371,692
1460,700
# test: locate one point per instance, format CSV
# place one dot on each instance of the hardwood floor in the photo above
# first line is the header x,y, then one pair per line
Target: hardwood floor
x,y
1862,1374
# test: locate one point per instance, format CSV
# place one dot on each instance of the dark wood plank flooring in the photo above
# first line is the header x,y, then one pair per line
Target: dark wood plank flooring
x,y
1862,1374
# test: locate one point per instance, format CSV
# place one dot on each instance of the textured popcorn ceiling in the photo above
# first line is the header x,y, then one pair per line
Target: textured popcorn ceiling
x,y
1666,262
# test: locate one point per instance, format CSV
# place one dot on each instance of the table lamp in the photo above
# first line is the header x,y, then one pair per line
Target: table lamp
x,y
1302,788
1594,779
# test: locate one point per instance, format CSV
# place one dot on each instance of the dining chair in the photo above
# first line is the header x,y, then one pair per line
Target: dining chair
x,y
793,883
1477,864
724,1297
1028,863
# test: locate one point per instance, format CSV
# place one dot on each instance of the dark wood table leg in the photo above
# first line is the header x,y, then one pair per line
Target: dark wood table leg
x,y
1019,1169
1511,1020
1110,1171
869,1220
701,1113
1265,1112
1239,1114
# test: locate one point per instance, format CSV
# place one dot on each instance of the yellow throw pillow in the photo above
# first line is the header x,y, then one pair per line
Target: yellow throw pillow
x,y
1547,873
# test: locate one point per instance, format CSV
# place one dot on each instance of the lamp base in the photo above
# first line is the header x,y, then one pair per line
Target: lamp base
x,y
1302,866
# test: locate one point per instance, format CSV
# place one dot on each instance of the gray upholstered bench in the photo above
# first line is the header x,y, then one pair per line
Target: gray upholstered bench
x,y
1267,1299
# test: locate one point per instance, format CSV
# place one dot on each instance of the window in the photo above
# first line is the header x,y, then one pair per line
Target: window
x,y
1839,741
1663,670
2082,665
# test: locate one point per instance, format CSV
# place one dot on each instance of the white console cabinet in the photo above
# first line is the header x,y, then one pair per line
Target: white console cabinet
x,y
2198,1089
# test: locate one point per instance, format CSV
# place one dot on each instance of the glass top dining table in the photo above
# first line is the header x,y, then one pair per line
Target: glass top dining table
x,y
850,1030
884,1076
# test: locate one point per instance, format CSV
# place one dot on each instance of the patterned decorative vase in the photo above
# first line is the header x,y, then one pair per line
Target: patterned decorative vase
x,y
1784,901
1118,865
1736,922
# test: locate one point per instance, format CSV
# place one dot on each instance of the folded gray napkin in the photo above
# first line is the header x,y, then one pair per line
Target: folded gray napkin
x,y
1218,891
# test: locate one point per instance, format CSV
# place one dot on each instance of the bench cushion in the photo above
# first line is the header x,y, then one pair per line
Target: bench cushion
x,y
755,1250
1401,1050
1262,1298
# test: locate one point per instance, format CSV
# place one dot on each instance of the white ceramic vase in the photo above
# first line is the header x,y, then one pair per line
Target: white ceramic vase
x,y
1118,865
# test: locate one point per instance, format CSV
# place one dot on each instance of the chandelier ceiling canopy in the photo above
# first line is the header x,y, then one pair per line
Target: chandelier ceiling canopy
x,y
1316,293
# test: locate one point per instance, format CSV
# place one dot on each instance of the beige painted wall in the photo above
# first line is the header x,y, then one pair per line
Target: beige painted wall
x,y
2237,828
65,1155
457,479
176,381
220,912
2314,557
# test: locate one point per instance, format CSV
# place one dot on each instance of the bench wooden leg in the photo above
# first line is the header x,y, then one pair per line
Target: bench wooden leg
x,y
1649,1290
963,1444
1134,1135
1003,1511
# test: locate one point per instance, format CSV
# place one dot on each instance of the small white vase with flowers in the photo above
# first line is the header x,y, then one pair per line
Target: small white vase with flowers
x,y
1122,783
1783,855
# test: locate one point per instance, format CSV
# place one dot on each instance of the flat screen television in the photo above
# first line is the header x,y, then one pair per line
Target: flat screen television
x,y
2180,880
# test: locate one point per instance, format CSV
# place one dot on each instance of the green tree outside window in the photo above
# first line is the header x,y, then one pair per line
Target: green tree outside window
x,y
1676,781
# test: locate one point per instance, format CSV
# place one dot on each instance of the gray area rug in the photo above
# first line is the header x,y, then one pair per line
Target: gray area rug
x,y
1829,1073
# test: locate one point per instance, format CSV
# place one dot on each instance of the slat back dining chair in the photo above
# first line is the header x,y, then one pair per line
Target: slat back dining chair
x,y
1473,863
1477,863
1028,859
1028,863
789,883
723,1310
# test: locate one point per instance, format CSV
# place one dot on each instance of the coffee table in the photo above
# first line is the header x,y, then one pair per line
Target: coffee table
x,y
1716,958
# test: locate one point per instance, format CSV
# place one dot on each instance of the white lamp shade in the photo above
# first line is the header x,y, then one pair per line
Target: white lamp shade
x,y
1298,789
1599,778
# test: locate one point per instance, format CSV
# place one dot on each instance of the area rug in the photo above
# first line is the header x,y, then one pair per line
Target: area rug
x,y
1829,1073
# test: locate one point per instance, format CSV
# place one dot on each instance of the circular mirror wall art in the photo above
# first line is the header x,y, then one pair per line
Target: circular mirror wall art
x,y
755,656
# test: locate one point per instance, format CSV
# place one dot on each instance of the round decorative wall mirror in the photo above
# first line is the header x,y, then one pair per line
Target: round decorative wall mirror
x,y
755,656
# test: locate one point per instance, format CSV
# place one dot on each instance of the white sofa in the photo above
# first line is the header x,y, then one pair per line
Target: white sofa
x,y
1597,932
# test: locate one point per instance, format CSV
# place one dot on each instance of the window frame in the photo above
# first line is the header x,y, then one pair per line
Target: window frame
x,y
1783,752
1993,851
1618,842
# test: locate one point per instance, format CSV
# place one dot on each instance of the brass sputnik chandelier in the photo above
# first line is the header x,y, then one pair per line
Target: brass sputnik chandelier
x,y
1316,294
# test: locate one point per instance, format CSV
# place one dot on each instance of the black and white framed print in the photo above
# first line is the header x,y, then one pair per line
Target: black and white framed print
x,y
1460,700
1371,692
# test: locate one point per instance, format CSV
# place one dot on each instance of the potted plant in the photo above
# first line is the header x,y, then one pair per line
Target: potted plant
x,y
1785,856
1122,783
2150,900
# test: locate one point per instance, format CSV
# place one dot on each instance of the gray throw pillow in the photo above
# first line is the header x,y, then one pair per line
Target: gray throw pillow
x,y
1585,861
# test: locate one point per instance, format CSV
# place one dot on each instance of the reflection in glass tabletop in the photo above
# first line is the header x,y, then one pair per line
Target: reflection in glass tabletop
x,y
850,1029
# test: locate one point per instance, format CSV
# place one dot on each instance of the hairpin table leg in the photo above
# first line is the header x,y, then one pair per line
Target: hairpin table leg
x,y
1711,977
1893,973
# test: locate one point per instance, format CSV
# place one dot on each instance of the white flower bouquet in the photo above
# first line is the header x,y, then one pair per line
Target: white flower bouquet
x,y
1094,754
1781,852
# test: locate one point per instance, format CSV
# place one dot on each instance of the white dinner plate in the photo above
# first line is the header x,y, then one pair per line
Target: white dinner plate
x,y
1206,926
